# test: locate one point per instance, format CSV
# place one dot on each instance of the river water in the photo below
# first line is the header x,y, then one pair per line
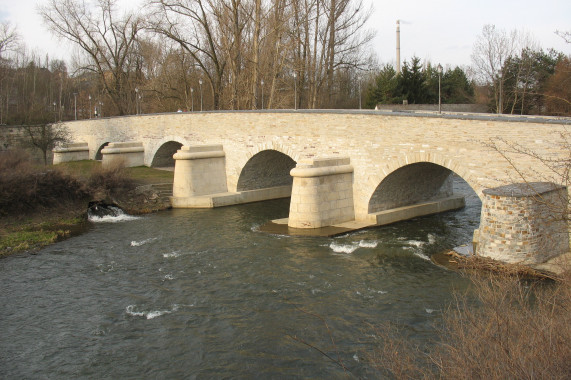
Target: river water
x,y
205,294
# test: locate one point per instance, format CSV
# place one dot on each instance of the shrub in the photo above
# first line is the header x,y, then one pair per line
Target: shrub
x,y
111,180
510,330
26,188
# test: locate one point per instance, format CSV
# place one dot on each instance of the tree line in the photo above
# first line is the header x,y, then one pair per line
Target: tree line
x,y
191,55
509,73
196,55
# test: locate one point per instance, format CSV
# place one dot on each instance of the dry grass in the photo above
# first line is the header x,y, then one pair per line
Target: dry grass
x,y
505,328
111,180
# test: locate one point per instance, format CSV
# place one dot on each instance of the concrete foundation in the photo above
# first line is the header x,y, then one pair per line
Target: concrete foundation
x,y
228,199
130,153
399,214
322,193
373,220
523,223
71,152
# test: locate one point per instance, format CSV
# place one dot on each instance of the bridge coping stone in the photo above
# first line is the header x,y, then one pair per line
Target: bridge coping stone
x,y
201,148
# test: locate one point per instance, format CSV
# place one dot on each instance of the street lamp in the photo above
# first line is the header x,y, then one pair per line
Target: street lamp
x,y
200,84
55,112
439,69
192,98
100,109
89,106
294,90
359,80
137,100
75,104
262,83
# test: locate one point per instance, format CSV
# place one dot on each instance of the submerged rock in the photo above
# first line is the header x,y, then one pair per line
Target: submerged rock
x,y
101,209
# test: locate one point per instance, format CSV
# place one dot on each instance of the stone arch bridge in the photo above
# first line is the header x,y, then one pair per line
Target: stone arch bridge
x,y
360,167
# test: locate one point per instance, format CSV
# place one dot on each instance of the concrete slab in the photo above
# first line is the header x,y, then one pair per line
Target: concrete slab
x,y
228,198
280,226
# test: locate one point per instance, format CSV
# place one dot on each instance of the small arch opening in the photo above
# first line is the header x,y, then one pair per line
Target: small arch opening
x,y
99,155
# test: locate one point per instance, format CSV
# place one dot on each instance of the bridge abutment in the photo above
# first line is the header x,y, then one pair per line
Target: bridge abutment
x,y
523,223
322,193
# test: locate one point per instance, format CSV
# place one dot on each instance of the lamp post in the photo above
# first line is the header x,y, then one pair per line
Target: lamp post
x,y
359,79
439,69
55,112
192,99
137,100
75,104
294,90
262,83
89,106
200,84
100,109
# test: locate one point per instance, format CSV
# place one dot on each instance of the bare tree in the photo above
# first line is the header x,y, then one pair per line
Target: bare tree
x,y
9,37
46,137
108,40
491,50
192,25
566,35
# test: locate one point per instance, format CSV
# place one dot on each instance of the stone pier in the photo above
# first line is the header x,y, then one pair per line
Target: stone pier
x,y
130,153
322,193
199,170
71,152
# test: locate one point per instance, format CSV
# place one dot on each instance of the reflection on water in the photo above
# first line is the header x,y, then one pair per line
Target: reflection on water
x,y
202,293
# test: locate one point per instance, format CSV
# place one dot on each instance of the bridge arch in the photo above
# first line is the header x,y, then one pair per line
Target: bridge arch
x,y
265,169
98,154
159,153
163,157
414,179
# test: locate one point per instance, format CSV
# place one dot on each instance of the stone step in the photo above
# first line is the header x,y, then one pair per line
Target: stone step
x,y
163,189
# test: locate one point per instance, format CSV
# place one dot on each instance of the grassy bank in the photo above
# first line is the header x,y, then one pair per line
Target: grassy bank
x,y
42,205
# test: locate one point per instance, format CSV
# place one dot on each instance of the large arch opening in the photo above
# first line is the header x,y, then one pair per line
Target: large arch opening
x,y
164,156
268,168
412,184
99,155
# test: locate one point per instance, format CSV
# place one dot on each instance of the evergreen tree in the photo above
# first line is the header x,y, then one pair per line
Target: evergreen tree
x,y
412,83
384,89
456,88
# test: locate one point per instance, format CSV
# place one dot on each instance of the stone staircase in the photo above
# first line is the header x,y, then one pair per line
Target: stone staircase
x,y
164,190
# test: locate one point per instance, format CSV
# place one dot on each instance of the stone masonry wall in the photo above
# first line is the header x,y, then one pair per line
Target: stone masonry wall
x,y
15,137
378,143
523,224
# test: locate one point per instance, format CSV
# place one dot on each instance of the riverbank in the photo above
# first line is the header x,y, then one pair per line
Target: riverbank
x,y
553,269
34,229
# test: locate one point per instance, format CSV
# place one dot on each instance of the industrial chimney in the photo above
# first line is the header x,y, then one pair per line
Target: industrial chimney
x,y
398,46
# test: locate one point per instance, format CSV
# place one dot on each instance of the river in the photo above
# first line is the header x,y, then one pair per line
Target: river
x,y
205,294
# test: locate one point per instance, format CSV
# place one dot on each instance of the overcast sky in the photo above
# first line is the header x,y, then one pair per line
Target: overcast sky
x,y
442,31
